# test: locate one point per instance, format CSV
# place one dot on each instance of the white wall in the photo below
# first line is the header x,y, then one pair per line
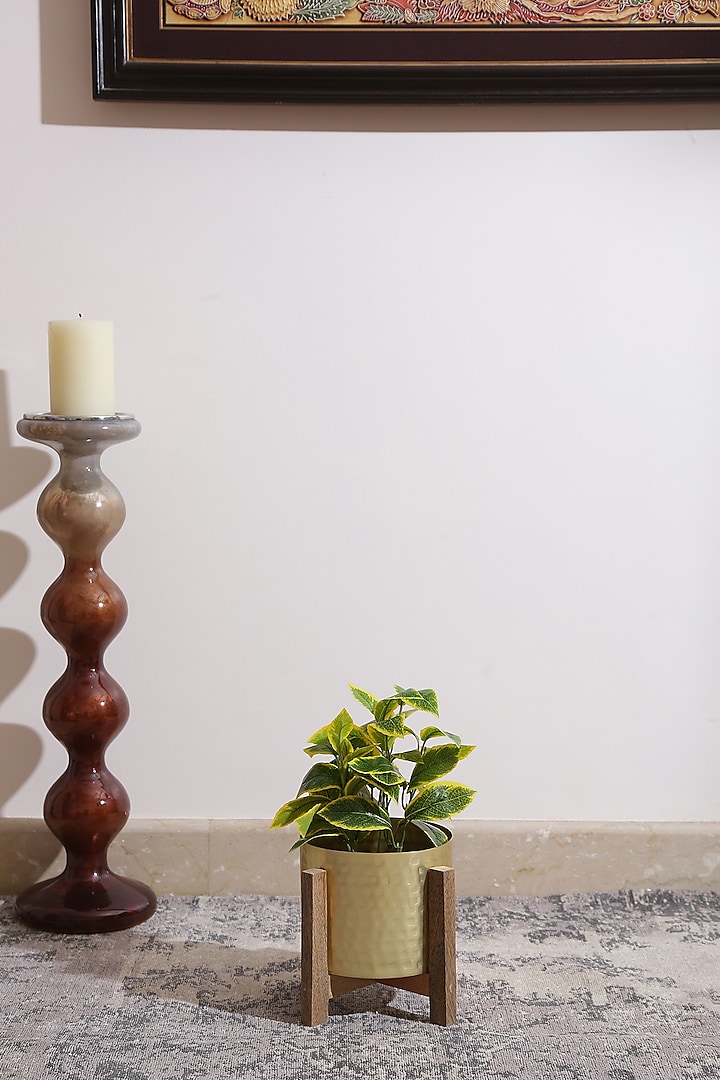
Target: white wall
x,y
428,396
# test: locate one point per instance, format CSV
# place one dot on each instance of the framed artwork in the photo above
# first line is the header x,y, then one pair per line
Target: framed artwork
x,y
421,51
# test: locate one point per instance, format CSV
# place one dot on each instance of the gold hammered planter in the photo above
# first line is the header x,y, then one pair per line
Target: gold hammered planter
x,y
376,909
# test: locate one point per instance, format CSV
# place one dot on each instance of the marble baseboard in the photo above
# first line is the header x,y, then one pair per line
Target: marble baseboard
x,y
492,858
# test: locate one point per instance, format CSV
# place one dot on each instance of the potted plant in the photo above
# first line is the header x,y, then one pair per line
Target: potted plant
x,y
368,814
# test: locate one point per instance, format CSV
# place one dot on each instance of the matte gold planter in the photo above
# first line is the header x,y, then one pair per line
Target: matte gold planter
x,y
376,909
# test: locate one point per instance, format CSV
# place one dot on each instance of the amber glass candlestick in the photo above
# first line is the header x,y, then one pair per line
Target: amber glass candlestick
x,y
81,510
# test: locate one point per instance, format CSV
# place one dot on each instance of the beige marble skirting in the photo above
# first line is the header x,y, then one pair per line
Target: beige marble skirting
x,y
492,858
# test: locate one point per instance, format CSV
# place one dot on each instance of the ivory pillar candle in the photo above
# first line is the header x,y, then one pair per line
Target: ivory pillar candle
x,y
82,381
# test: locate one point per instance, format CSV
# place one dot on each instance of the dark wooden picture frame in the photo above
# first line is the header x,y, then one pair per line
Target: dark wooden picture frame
x,y
666,50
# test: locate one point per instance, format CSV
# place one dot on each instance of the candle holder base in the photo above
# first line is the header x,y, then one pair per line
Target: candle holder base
x,y
68,905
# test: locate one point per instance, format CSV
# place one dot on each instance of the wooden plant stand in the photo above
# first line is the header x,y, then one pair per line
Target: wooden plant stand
x,y
439,983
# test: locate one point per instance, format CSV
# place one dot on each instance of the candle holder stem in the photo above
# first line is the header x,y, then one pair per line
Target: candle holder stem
x,y
81,510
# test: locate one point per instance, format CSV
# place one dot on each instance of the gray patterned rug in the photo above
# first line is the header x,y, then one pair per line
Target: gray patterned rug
x,y
622,987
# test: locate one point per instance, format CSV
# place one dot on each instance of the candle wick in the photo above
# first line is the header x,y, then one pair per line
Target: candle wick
x,y
79,314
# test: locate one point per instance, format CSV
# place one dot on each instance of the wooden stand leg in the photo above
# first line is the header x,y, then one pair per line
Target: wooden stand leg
x,y
441,945
315,978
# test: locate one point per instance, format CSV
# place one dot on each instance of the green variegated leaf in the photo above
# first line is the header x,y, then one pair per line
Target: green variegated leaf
x,y
385,708
305,820
313,836
408,755
338,731
294,809
356,814
319,743
320,736
436,762
366,699
436,733
378,770
433,832
360,740
318,748
323,776
389,725
465,750
356,785
438,801
360,757
394,791
424,700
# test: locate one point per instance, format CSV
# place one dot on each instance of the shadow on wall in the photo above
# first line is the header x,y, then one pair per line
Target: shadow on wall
x,y
66,88
21,470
